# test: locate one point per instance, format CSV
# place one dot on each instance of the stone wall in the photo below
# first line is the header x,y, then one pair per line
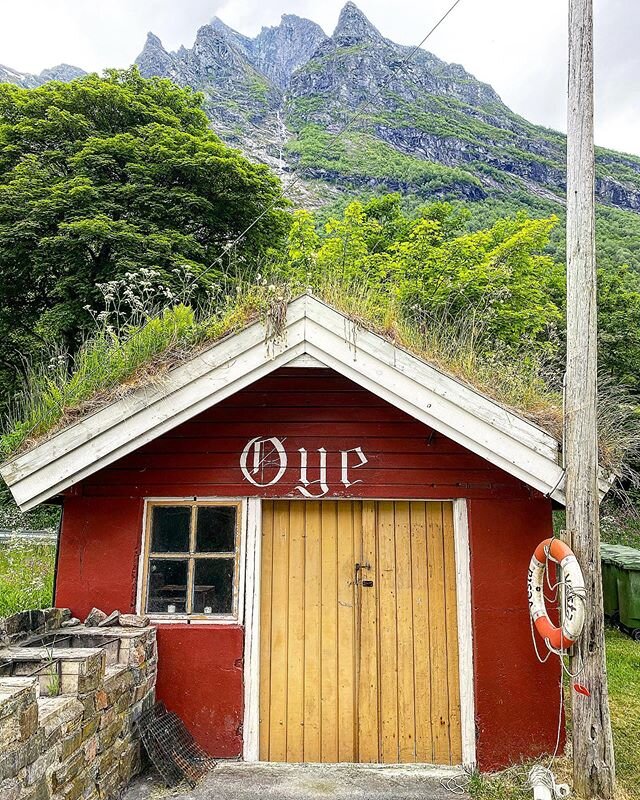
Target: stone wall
x,y
70,695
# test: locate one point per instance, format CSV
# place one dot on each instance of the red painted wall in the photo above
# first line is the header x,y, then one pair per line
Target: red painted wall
x,y
200,676
517,698
98,558
199,666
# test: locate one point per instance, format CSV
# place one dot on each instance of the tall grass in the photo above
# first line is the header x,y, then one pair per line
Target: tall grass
x,y
620,519
623,670
522,380
116,360
109,364
112,361
26,576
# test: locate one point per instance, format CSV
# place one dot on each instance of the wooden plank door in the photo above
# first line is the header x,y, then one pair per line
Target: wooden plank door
x,y
409,626
359,648
308,631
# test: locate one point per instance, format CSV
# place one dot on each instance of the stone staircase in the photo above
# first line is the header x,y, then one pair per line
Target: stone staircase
x,y
69,700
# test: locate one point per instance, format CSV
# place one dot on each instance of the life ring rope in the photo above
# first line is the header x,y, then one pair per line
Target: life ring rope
x,y
572,595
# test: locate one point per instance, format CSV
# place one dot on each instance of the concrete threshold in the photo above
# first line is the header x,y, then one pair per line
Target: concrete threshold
x,y
237,780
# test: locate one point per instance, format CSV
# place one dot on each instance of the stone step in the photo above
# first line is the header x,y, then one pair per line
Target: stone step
x,y
59,671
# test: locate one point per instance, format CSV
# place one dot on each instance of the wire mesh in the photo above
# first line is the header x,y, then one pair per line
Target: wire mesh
x,y
172,749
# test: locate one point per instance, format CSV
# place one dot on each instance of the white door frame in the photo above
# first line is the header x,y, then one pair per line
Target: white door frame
x,y
251,725
465,632
253,561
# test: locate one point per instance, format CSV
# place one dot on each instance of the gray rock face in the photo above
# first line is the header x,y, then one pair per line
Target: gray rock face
x,y
236,92
354,28
264,93
279,51
155,60
242,43
8,75
63,72
358,64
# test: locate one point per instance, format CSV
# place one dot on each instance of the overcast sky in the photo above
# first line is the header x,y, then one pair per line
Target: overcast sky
x,y
518,47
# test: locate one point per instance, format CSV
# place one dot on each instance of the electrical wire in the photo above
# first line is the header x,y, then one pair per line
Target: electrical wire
x,y
335,137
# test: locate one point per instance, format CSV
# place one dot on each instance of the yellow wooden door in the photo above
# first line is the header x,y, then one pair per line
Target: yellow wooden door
x,y
359,648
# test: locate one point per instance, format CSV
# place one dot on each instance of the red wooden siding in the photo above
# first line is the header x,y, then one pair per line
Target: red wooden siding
x,y
200,666
318,409
98,558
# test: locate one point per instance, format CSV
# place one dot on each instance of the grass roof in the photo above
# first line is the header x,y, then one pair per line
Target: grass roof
x,y
113,363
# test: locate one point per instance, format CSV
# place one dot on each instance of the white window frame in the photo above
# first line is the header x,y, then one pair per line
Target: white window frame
x,y
237,615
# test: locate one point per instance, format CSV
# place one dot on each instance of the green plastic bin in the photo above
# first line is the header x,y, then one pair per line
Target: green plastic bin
x,y
629,593
610,555
617,560
610,585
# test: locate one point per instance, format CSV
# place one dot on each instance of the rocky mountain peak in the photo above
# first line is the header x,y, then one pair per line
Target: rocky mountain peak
x,y
280,50
208,33
218,25
243,43
153,41
61,72
154,59
213,44
353,27
8,75
215,54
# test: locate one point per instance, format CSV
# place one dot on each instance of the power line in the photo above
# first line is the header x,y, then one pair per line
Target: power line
x,y
335,137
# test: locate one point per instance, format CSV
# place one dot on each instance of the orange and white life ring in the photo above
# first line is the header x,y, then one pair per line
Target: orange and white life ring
x,y
572,594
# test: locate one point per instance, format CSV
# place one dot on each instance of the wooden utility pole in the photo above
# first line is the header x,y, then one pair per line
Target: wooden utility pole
x,y
593,758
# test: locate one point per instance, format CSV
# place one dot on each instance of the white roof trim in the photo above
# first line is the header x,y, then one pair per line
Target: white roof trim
x,y
315,334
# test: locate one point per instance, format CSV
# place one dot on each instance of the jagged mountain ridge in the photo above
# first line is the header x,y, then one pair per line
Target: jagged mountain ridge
x,y
61,72
428,128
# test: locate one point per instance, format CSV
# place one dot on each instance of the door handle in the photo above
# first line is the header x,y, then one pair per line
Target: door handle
x,y
359,568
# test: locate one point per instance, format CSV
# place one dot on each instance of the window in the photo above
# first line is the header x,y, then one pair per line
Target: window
x,y
191,559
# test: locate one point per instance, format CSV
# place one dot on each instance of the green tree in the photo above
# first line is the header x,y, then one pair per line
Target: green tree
x,y
436,269
105,176
619,324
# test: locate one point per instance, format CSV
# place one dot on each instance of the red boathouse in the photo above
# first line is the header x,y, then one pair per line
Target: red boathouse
x,y
332,537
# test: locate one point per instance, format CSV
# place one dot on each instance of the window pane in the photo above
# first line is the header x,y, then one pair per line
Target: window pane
x,y
170,529
216,529
213,586
167,586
